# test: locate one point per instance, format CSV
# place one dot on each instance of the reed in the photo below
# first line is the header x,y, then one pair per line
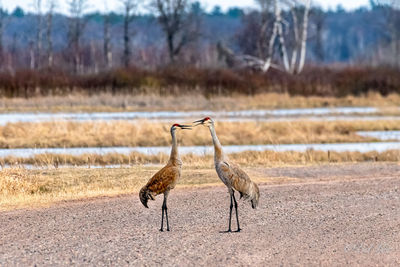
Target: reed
x,y
145,133
249,158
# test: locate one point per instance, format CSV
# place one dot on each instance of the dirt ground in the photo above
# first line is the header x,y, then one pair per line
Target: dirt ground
x,y
322,215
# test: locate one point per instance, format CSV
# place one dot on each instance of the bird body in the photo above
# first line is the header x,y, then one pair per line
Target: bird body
x,y
234,177
165,179
231,175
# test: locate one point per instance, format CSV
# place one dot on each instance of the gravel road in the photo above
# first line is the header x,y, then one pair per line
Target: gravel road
x,y
336,215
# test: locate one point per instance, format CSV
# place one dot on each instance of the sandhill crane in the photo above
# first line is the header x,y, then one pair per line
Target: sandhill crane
x,y
231,174
165,179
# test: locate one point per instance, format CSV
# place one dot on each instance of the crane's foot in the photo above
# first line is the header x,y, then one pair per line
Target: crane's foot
x,y
161,230
168,229
228,231
238,230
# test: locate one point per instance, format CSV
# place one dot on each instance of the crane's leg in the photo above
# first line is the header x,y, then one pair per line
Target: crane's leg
x,y
162,217
237,216
166,209
230,214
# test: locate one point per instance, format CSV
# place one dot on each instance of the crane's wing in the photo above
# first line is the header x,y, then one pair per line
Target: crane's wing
x,y
238,178
241,182
165,179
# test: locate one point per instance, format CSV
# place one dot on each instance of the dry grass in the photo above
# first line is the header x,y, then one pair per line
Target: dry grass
x,y
21,188
250,158
18,181
65,184
117,103
122,133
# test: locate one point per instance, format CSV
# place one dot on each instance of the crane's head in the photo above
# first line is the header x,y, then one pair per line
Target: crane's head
x,y
207,121
180,126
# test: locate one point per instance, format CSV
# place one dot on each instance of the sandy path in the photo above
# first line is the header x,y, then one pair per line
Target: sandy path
x,y
352,217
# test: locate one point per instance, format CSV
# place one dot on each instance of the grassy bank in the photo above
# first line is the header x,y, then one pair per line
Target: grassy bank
x,y
106,102
144,133
253,158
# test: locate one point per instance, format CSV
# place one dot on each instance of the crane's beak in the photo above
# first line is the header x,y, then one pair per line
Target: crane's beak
x,y
195,123
185,127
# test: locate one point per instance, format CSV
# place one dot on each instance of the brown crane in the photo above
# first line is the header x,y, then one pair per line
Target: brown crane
x,y
231,175
165,179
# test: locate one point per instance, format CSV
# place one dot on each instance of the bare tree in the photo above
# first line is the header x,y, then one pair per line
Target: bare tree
x,y
277,33
32,62
129,8
178,24
318,16
107,41
267,27
39,31
3,15
264,46
391,10
77,24
49,29
94,57
293,63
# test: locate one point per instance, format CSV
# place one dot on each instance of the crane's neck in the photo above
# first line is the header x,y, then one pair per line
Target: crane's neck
x,y
218,153
174,158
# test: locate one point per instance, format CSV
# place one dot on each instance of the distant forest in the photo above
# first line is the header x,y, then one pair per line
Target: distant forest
x,y
335,37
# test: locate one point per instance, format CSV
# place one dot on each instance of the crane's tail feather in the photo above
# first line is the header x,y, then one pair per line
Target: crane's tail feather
x,y
145,195
255,196
251,193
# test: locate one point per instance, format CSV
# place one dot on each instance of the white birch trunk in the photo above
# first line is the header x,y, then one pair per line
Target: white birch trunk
x,y
296,39
281,38
304,37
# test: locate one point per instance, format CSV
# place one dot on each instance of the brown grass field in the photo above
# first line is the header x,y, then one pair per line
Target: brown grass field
x,y
144,133
116,103
20,187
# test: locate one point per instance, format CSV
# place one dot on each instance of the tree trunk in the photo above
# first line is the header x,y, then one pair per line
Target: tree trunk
x,y
282,47
39,33
296,39
271,43
304,37
1,36
127,40
93,55
32,55
107,40
171,48
49,37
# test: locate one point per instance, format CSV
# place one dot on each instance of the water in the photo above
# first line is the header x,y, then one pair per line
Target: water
x,y
204,150
174,115
381,135
304,118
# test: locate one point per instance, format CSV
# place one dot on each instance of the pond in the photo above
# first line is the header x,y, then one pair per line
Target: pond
x,y
381,135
